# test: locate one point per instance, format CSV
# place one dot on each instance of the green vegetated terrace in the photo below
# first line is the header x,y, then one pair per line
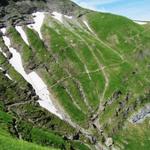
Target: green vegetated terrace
x,y
84,69
41,130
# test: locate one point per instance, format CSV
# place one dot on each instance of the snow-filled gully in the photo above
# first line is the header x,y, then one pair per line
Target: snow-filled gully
x,y
141,22
87,25
38,19
23,34
59,16
33,78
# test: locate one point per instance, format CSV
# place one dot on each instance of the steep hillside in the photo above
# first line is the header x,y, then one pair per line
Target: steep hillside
x,y
74,79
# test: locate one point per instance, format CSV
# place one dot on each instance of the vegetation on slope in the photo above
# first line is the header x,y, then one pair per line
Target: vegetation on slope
x,y
18,102
99,75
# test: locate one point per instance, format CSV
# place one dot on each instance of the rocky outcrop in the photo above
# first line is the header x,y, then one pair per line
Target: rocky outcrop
x,y
21,103
4,2
17,12
141,115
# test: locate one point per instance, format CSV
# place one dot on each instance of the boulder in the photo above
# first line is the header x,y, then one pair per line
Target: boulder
x,y
5,49
109,142
36,98
9,55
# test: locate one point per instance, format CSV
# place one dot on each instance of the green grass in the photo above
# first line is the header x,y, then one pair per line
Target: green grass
x,y
2,59
65,100
47,138
37,45
134,137
62,49
73,88
92,96
26,51
7,143
108,25
62,59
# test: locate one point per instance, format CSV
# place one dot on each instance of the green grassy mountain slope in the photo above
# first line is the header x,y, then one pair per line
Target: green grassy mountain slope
x,y
41,128
96,67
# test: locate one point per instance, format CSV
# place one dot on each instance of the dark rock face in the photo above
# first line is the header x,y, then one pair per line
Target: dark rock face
x,y
7,2
65,6
141,114
4,2
15,11
9,55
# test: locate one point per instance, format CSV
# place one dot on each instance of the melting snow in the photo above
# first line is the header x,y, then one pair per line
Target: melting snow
x,y
33,78
42,91
140,22
3,30
7,75
38,19
87,25
58,16
22,33
69,17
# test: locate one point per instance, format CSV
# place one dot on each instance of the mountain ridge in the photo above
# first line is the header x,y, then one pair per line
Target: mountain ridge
x,y
14,12
95,66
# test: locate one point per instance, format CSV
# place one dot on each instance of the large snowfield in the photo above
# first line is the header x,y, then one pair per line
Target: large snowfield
x,y
38,21
33,78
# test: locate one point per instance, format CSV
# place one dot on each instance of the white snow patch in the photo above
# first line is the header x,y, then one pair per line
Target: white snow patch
x,y
6,41
69,17
58,16
140,22
8,76
3,30
87,25
22,33
34,79
42,91
38,19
